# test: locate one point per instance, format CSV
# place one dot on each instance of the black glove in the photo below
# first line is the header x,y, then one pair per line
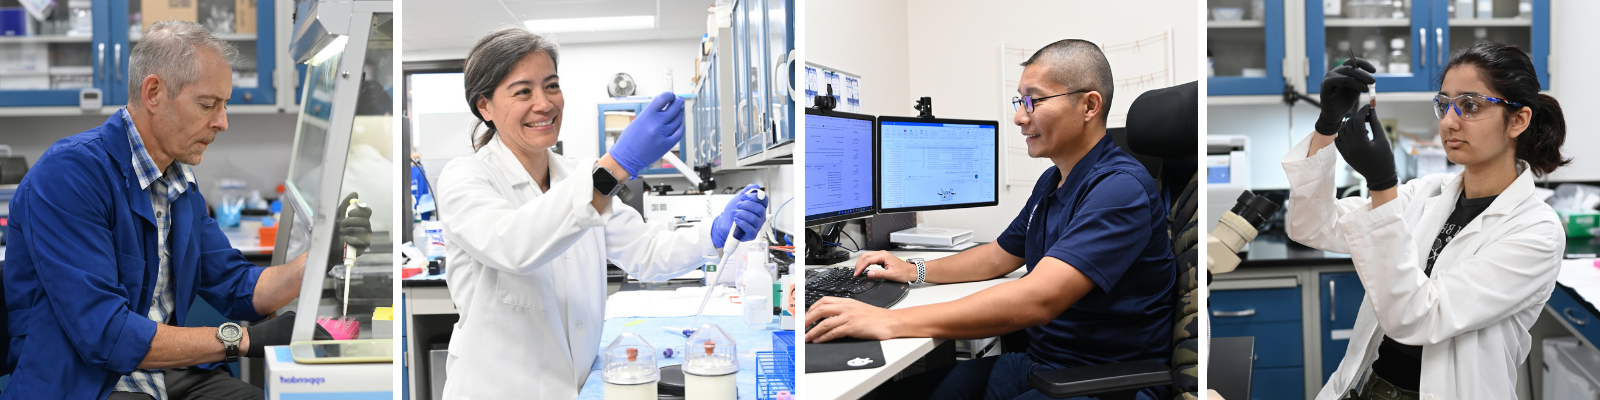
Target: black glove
x,y
1371,157
1341,90
276,332
354,227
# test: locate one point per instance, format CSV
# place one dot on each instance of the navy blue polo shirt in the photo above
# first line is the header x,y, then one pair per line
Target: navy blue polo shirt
x,y
1108,221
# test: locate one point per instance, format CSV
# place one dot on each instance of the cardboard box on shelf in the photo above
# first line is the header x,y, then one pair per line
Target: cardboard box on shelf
x,y
168,10
245,10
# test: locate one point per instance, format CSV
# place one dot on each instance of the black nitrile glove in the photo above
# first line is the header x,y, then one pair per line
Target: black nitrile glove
x,y
1372,156
276,332
1341,90
354,227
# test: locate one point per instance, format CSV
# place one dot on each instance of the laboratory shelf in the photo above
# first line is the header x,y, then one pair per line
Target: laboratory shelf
x,y
45,39
1358,22
1246,24
100,61
1492,22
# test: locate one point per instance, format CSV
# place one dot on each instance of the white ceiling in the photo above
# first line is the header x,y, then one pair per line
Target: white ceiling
x,y
449,26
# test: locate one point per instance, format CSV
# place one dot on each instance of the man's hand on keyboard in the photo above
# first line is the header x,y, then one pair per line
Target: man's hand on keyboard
x,y
848,318
894,269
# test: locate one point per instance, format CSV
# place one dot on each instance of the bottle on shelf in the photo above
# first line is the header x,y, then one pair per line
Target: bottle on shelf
x,y
1399,61
1370,46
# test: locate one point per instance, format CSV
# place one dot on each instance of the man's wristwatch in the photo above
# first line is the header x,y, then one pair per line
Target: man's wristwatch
x,y
608,185
922,270
230,334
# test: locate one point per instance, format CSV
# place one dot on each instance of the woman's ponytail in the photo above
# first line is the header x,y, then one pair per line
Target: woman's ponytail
x,y
1540,144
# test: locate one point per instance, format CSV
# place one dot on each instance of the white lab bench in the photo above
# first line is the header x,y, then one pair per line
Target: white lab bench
x,y
426,298
897,353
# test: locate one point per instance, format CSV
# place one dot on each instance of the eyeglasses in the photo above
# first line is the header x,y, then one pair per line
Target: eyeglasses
x,y
1470,107
1018,103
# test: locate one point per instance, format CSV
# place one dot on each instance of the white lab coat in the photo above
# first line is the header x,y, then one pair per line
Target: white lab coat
x,y
527,272
1472,316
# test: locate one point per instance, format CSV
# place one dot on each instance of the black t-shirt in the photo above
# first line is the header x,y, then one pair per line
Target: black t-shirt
x,y
1401,364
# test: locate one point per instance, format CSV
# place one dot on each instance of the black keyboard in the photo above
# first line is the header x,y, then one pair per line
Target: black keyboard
x,y
839,282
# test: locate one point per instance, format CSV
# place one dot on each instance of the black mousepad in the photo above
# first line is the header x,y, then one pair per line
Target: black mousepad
x,y
843,354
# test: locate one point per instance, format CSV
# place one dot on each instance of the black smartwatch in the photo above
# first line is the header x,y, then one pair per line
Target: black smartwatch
x,y
608,185
230,334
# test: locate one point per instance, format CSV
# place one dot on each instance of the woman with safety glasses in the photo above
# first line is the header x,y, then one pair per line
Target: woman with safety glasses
x,y
1456,267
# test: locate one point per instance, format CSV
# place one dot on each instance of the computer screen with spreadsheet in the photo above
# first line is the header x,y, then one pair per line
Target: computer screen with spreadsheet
x,y
936,164
839,166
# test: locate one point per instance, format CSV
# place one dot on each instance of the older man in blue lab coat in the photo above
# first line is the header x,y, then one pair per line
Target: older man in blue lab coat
x,y
110,242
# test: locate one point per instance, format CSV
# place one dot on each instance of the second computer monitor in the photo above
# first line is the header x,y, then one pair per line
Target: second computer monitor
x,y
936,164
839,170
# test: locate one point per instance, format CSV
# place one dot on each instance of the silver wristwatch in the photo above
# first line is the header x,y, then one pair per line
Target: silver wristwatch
x,y
922,270
230,334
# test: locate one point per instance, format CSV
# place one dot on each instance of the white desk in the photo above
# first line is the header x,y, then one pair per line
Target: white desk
x,y
897,353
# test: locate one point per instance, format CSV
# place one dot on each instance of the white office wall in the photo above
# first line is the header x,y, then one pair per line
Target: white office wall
x,y
954,57
255,147
1571,83
1574,83
866,38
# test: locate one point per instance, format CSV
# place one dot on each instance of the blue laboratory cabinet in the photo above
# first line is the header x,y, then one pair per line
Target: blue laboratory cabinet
x,y
608,136
1340,301
60,61
763,79
1411,43
1245,54
1408,40
1273,316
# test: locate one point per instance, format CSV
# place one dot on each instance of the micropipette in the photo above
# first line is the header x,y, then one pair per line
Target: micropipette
x,y
350,254
728,247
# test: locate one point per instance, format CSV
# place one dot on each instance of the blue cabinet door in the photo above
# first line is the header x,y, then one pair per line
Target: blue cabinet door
x,y
1371,33
107,52
1254,45
56,54
1430,34
1273,317
259,91
1505,25
1340,301
657,167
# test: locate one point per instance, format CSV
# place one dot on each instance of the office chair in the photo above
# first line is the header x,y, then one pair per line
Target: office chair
x,y
1162,133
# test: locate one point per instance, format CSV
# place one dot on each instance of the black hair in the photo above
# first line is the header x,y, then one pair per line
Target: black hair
x,y
1079,65
1508,71
490,60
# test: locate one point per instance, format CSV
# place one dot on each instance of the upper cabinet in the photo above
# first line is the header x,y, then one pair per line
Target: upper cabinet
x,y
1244,47
85,44
763,48
1408,41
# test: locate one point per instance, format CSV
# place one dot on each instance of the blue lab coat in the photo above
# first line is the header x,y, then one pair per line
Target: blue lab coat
x,y
81,257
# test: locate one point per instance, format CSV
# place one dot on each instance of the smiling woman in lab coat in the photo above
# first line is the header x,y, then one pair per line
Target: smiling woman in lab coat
x,y
1456,266
529,231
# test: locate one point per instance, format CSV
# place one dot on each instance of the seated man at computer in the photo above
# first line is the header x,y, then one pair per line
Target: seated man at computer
x,y
1091,235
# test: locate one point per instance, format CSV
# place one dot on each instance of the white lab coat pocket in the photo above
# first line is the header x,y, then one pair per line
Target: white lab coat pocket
x,y
526,292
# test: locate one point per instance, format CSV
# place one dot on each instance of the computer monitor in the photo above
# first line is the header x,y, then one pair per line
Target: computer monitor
x,y
937,164
840,168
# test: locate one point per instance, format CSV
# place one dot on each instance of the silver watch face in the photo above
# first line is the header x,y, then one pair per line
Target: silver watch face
x,y
229,332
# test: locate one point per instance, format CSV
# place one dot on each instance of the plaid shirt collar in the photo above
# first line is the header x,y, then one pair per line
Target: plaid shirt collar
x,y
146,168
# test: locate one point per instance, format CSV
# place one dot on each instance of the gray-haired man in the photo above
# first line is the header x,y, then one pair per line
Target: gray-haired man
x,y
110,242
